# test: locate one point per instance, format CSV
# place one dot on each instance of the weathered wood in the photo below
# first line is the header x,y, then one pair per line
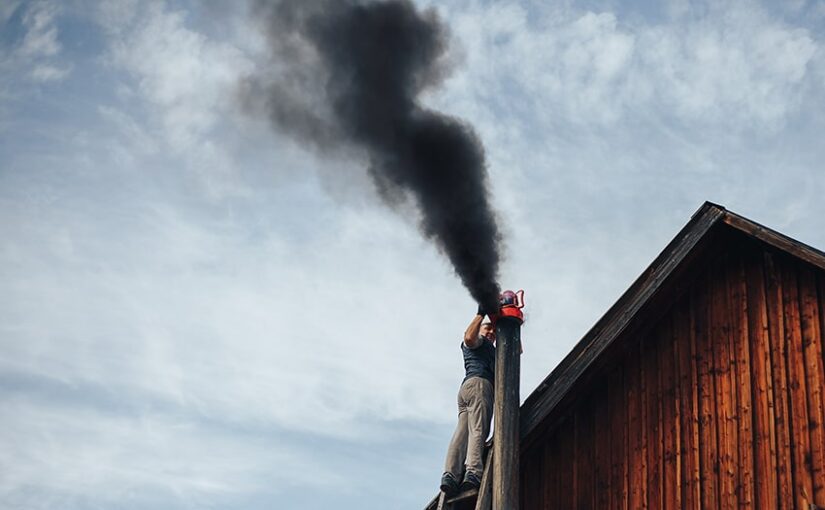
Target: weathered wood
x,y
776,239
602,447
708,454
812,342
635,410
530,495
727,439
550,392
800,438
551,468
653,420
689,405
762,388
616,408
506,412
485,491
668,370
669,402
820,279
737,289
442,502
776,333
433,504
584,454
574,465
566,492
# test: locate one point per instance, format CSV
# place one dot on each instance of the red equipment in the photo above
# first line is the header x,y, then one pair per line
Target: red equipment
x,y
510,305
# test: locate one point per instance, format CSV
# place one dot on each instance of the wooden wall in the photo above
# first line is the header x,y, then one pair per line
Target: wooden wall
x,y
717,405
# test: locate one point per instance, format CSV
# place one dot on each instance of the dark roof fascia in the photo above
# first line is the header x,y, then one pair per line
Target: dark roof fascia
x,y
776,239
556,385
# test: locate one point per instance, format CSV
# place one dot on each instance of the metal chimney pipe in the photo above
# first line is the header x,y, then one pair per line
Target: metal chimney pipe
x,y
506,411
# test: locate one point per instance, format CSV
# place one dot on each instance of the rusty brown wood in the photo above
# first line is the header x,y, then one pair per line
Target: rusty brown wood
x,y
762,387
550,392
616,409
689,405
636,455
737,289
812,342
727,441
708,453
776,239
738,374
585,461
800,438
778,354
668,356
601,452
653,428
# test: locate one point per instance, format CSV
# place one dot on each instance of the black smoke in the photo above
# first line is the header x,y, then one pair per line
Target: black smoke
x,y
346,76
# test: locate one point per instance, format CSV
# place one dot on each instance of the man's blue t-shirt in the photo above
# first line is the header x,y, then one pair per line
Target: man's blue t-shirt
x,y
481,361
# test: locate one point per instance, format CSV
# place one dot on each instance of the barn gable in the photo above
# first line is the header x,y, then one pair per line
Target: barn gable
x,y
702,387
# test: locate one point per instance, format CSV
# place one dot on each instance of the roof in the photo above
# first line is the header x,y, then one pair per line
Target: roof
x,y
677,254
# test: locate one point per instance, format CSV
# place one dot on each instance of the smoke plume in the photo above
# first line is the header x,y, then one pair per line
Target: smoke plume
x,y
346,76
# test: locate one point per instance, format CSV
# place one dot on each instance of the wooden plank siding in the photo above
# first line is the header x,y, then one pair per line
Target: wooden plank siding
x,y
718,403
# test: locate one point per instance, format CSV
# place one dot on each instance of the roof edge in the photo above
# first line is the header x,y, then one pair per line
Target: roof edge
x,y
776,239
544,398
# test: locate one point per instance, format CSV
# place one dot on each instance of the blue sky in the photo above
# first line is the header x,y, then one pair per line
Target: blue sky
x,y
199,313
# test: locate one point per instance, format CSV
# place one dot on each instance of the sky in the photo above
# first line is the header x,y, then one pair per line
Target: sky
x,y
196,311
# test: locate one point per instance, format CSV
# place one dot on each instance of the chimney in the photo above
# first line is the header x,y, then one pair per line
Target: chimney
x,y
506,407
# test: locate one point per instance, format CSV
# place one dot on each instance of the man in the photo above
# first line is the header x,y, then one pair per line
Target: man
x,y
475,407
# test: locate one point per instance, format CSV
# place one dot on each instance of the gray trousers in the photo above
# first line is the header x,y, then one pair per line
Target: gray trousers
x,y
475,407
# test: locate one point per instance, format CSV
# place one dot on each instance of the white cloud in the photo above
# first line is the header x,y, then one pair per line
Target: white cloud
x,y
186,78
43,73
737,66
41,33
56,452
38,54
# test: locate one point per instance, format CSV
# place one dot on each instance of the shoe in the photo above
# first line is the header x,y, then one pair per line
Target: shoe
x,y
471,481
449,485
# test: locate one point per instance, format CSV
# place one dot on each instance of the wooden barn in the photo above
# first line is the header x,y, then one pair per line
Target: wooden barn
x,y
701,388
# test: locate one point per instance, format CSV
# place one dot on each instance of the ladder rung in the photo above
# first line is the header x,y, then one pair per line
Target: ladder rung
x,y
463,495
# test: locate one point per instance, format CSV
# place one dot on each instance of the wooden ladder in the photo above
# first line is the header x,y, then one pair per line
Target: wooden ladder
x,y
477,499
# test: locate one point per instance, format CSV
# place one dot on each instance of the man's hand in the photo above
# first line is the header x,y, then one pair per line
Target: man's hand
x,y
481,310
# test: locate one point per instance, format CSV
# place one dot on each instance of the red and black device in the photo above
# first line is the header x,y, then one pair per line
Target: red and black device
x,y
510,305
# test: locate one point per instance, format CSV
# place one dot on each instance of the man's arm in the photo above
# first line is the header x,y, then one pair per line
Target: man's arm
x,y
471,334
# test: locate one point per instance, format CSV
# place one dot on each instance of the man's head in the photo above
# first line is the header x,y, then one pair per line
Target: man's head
x,y
487,330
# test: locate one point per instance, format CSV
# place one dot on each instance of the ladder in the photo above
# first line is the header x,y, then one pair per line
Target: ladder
x,y
473,499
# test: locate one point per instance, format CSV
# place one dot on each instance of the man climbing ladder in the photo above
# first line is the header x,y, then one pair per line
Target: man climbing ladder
x,y
475,407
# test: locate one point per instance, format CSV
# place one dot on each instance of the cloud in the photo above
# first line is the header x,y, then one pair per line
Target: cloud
x,y
38,54
43,73
41,35
185,78
70,454
737,66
